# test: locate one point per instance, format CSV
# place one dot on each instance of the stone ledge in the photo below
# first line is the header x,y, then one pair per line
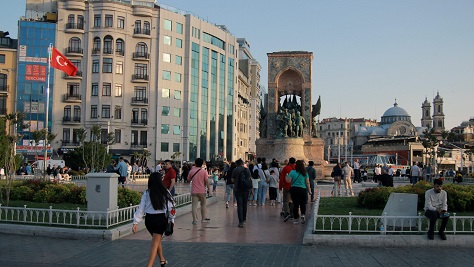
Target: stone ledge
x,y
75,234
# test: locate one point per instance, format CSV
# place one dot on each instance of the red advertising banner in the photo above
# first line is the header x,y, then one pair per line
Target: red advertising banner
x,y
35,72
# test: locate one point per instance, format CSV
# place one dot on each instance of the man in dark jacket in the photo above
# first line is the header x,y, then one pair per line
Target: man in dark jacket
x,y
312,176
241,195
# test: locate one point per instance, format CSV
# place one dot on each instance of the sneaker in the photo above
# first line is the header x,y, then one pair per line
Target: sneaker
x,y
295,221
240,225
194,222
287,217
303,219
227,204
244,222
442,236
254,204
430,236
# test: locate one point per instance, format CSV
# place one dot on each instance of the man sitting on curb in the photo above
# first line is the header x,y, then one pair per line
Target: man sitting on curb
x,y
436,207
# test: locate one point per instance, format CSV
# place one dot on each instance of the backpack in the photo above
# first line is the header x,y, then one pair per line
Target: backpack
x,y
245,183
255,174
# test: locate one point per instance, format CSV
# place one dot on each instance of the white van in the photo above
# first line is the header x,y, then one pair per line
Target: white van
x,y
40,163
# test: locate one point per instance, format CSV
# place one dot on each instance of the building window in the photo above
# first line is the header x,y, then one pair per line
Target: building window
x,y
3,105
96,46
167,40
176,130
71,19
176,147
168,25
165,93
109,20
119,47
143,138
165,111
196,33
166,75
146,27
179,27
144,113
177,112
118,113
108,43
77,113
107,65
179,43
75,45
139,93
97,22
105,111
166,57
134,138
165,128
178,60
119,67
118,90
118,136
93,111
2,58
177,94
141,71
67,113
66,135
95,66
106,89
231,49
135,115
121,22
164,147
73,89
177,77
95,89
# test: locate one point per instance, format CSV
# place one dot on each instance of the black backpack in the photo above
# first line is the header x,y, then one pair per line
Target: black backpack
x,y
245,183
255,174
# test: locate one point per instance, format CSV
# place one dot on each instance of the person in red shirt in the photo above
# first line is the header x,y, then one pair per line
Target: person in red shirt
x,y
170,176
286,187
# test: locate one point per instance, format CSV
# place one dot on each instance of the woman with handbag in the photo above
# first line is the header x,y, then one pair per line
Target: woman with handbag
x,y
299,190
158,204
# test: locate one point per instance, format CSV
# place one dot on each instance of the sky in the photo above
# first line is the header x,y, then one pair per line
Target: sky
x,y
367,53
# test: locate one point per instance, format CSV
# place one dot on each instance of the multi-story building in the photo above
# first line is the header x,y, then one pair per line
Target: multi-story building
x,y
8,54
158,78
248,104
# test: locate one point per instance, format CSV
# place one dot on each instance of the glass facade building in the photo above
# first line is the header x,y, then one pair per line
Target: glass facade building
x,y
34,40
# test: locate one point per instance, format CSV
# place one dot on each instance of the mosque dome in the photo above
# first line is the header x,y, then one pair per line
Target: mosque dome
x,y
395,114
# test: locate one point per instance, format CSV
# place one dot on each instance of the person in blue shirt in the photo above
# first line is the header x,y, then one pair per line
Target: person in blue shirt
x,y
299,190
121,168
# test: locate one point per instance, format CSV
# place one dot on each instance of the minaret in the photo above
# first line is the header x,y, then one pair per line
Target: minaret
x,y
426,120
438,115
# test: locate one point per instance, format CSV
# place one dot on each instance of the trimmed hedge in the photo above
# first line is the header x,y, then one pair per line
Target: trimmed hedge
x,y
53,192
460,197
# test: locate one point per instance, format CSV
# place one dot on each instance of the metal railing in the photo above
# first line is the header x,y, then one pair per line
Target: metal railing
x,y
78,217
384,224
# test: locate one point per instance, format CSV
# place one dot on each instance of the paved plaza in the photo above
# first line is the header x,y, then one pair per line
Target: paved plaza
x,y
264,241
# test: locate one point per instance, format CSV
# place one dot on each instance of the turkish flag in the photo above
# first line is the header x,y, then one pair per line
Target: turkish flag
x,y
60,62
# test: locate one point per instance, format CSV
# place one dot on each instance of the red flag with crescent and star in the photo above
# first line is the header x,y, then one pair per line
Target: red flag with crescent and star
x,y
60,62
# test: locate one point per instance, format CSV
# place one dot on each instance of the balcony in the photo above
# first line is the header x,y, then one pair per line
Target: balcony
x,y
71,120
72,98
108,51
140,78
96,51
141,56
120,52
139,123
141,33
74,51
139,101
75,27
142,11
78,76
138,146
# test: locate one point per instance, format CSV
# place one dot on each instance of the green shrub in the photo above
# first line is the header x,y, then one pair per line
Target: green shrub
x,y
126,197
77,195
22,192
460,197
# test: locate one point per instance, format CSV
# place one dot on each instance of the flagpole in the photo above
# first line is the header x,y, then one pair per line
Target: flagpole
x,y
45,145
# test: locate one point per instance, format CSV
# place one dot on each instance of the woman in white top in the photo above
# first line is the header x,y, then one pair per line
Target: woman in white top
x,y
156,201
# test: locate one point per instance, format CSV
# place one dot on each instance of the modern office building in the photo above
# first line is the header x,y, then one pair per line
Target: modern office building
x,y
8,54
159,78
34,37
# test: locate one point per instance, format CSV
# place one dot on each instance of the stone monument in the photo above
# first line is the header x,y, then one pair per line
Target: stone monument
x,y
286,124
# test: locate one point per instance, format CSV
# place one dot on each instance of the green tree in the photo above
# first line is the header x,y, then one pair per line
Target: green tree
x,y
8,141
86,156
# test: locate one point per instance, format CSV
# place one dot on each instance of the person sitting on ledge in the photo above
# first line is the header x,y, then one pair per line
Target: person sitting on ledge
x,y
436,207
